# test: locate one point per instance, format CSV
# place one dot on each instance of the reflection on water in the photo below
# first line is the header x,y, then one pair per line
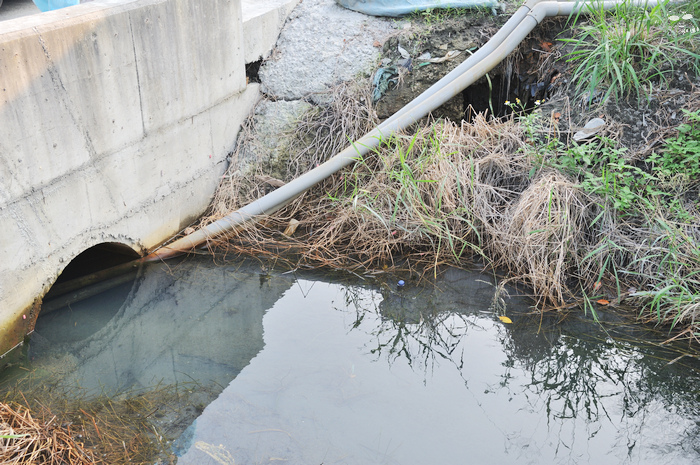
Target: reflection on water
x,y
596,382
311,371
81,319
352,374
182,322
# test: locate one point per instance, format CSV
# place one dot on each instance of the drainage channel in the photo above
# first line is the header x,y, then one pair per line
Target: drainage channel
x,y
226,361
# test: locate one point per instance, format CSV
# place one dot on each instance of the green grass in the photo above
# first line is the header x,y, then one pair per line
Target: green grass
x,y
412,201
627,50
603,170
681,154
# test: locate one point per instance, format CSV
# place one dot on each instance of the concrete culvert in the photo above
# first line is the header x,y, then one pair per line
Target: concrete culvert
x,y
99,269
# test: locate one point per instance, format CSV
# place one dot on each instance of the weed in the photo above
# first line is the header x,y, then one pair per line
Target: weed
x,y
517,194
643,237
681,155
601,168
670,272
628,46
433,16
680,212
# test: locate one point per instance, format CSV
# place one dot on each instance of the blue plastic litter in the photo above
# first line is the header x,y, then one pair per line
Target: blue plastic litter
x,y
404,7
48,5
401,283
383,78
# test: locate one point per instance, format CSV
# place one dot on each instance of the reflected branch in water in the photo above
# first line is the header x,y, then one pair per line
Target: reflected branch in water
x,y
420,336
584,383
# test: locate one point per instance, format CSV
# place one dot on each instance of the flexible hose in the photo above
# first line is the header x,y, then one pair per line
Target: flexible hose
x,y
481,62
473,59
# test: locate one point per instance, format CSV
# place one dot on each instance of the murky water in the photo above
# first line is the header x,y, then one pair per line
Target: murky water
x,y
308,370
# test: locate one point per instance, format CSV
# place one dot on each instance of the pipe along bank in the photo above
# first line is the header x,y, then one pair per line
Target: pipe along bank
x,y
514,31
473,68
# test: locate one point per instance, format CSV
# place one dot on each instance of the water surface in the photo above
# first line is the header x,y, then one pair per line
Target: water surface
x,y
312,369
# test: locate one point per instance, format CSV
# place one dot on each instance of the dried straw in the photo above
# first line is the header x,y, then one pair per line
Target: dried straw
x,y
447,193
53,427
26,440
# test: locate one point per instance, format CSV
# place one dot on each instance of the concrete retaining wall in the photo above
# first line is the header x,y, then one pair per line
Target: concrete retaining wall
x,y
262,22
116,119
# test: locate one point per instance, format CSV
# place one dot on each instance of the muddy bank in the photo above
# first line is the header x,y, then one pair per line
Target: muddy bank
x,y
574,195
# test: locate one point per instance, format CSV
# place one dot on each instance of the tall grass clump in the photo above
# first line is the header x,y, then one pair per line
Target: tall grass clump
x,y
625,50
576,222
431,194
539,238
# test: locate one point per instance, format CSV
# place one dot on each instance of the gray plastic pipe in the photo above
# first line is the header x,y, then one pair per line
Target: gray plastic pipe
x,y
484,60
474,58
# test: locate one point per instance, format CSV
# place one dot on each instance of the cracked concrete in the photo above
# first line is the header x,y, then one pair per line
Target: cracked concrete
x,y
321,45
307,62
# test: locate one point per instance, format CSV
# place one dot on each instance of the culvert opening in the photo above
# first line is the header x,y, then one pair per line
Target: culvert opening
x,y
97,258
501,95
89,292
252,71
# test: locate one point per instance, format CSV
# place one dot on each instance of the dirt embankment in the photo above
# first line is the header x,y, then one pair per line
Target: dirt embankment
x,y
567,189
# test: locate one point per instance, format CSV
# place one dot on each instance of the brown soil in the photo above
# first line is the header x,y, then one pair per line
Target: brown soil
x,y
401,208
536,70
415,76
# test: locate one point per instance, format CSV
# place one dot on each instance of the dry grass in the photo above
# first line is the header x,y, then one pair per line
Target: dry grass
x,y
85,431
27,440
325,131
448,193
540,237
320,133
435,197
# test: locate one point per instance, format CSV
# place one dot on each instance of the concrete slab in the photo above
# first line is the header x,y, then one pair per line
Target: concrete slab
x,y
321,45
262,23
11,9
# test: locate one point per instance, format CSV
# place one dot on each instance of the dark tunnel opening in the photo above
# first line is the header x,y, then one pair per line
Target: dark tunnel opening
x,y
88,293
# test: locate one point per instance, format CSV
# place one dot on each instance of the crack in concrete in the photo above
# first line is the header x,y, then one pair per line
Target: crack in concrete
x,y
138,77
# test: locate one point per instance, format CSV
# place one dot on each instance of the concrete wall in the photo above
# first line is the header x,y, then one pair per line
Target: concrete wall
x,y
262,22
116,119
